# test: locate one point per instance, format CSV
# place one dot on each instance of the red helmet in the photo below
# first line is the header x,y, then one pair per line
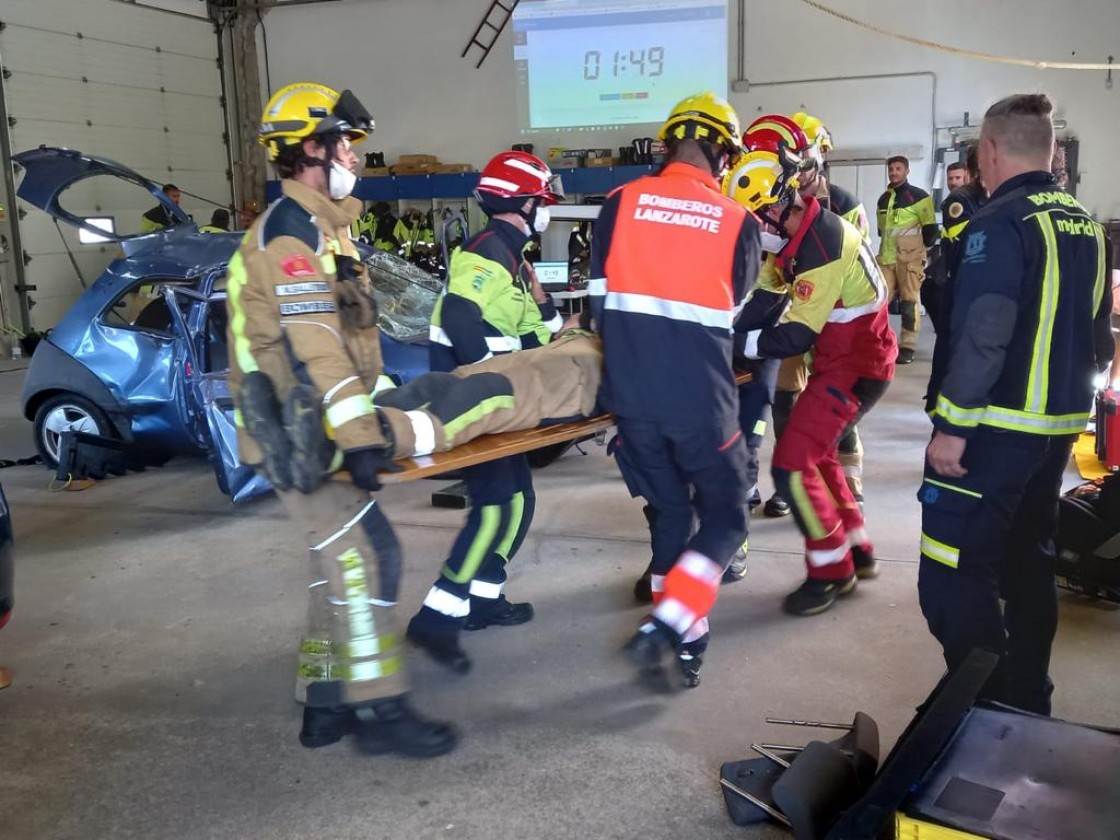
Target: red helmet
x,y
519,175
767,133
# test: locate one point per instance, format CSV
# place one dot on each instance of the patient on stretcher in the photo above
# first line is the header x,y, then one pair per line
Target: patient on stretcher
x,y
436,412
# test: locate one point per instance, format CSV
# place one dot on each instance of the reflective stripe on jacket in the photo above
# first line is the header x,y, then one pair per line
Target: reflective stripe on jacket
x,y
1030,321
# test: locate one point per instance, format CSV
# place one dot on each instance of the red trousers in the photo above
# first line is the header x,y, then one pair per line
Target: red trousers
x,y
808,474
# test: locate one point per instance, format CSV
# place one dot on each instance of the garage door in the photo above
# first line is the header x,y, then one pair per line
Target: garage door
x,y
137,85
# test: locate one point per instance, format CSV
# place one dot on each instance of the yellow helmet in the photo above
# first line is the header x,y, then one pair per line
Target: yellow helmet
x,y
815,130
704,116
306,109
762,178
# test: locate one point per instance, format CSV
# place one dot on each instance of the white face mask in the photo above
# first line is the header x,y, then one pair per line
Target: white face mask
x,y
340,181
541,219
772,243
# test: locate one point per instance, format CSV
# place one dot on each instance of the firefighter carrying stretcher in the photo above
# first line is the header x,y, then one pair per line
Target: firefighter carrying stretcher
x,y
307,360
819,289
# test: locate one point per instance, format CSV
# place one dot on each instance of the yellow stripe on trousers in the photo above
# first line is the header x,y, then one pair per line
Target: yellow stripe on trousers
x,y
491,516
516,514
805,507
468,418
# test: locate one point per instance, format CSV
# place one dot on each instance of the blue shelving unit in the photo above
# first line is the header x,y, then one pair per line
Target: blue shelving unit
x,y
584,181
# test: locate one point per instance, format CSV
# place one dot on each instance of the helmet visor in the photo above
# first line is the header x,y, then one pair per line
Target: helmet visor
x,y
555,190
349,116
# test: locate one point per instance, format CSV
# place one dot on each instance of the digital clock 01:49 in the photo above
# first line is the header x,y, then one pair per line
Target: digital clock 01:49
x,y
649,63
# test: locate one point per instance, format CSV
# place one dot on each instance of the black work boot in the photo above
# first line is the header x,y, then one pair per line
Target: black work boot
x,y
391,726
643,587
776,507
487,612
689,664
755,500
647,647
690,656
264,421
816,596
442,647
325,725
905,356
737,568
867,567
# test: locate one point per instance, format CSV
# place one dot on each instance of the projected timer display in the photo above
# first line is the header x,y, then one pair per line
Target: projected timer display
x,y
599,64
625,60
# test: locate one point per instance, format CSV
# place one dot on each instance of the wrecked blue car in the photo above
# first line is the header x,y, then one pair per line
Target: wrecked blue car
x,y
141,357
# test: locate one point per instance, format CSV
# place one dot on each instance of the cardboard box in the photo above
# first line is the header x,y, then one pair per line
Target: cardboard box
x,y
454,167
600,161
375,172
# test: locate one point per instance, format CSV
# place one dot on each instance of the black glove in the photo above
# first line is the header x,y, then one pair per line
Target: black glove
x,y
364,465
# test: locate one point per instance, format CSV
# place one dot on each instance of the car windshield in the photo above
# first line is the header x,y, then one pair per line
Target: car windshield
x,y
405,294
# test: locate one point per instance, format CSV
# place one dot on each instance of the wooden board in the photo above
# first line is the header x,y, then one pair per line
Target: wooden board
x,y
491,447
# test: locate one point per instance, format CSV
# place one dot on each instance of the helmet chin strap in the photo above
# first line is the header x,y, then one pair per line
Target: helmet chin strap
x,y
330,144
528,215
714,155
780,223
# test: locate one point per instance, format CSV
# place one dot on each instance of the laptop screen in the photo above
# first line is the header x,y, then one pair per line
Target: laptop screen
x,y
553,275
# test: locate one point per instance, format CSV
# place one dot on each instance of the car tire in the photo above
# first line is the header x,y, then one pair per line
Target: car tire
x,y
67,412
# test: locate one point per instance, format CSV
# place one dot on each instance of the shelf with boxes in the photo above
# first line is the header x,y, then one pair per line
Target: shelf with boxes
x,y
590,180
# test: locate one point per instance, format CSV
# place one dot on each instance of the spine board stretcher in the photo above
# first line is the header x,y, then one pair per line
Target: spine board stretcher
x,y
492,447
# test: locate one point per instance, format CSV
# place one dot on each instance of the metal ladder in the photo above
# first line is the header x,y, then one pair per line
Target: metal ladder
x,y
493,22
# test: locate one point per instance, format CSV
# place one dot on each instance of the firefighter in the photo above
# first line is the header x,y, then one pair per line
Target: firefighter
x,y
821,268
672,259
956,175
219,222
158,218
494,304
907,228
810,140
956,210
303,328
1028,331
509,392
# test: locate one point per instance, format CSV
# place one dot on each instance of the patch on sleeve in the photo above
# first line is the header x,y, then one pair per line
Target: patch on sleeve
x,y
297,265
976,250
311,307
289,289
955,210
803,290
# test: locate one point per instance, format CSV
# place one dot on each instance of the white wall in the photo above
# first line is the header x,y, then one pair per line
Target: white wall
x,y
402,58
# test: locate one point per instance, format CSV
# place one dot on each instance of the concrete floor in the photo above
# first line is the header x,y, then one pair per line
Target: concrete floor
x,y
152,649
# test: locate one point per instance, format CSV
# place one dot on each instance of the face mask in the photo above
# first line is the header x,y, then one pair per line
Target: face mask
x,y
772,243
541,218
340,181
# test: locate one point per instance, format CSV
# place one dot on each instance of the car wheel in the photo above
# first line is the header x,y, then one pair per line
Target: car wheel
x,y
66,413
